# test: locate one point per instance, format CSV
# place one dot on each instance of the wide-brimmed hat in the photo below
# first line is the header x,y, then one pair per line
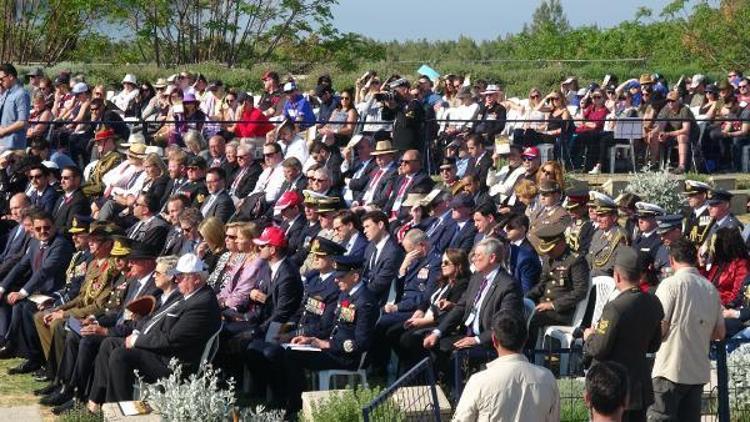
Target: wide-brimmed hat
x,y
160,83
129,79
383,147
414,199
646,79
137,150
134,138
142,251
121,247
491,89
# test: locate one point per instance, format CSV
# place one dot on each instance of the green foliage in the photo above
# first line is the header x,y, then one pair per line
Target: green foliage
x,y
549,16
80,414
347,407
572,406
660,188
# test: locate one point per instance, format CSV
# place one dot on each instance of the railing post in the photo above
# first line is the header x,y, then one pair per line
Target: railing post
x,y
722,378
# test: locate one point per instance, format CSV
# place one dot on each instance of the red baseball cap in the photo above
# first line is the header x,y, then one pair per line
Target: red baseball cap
x,y
532,152
273,236
288,199
104,134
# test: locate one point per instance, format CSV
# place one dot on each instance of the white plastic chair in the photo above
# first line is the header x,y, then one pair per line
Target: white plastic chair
x,y
605,292
325,376
630,128
529,309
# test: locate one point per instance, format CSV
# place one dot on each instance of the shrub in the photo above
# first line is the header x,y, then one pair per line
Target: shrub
x,y
347,407
738,363
660,188
80,414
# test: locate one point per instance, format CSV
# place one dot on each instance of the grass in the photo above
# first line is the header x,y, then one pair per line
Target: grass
x,y
18,390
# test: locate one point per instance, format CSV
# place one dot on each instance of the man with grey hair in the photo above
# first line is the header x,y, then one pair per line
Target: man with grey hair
x,y
246,175
491,291
415,282
356,168
180,331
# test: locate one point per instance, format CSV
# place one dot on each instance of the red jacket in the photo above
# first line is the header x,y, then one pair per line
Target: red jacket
x,y
257,125
729,279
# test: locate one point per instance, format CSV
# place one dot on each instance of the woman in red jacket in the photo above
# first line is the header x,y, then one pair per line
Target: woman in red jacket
x,y
729,267
254,124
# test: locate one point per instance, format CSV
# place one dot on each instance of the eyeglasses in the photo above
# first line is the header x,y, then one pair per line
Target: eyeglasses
x,y
446,263
548,172
44,228
445,170
139,204
35,176
315,179
534,96
742,86
405,161
94,108
67,177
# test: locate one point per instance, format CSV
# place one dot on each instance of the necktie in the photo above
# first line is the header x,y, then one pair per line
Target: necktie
x,y
370,194
236,182
434,226
38,258
400,196
473,315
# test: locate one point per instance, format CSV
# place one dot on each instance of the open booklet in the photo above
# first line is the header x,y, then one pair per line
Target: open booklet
x,y
134,408
300,347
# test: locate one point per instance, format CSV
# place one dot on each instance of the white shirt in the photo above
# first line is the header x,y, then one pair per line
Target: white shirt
x,y
297,149
474,316
698,211
123,99
275,267
142,283
510,389
270,181
351,242
379,248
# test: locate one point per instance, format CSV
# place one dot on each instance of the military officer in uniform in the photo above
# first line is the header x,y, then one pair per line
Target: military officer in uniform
x,y
626,208
76,270
344,341
579,232
669,230
109,158
629,328
563,283
697,220
326,208
721,216
607,237
195,188
313,318
647,239
549,212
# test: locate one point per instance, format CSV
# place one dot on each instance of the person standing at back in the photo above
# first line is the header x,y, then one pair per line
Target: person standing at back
x,y
692,318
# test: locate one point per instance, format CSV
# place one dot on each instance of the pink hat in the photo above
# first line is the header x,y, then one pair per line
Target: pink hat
x,y
273,236
532,152
288,199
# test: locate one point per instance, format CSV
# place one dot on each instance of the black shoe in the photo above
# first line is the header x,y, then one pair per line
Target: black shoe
x,y
68,405
6,352
45,391
57,398
26,367
42,376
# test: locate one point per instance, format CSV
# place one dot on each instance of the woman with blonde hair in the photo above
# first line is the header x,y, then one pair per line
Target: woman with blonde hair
x,y
551,170
229,260
234,296
212,246
527,194
558,118
533,119
157,177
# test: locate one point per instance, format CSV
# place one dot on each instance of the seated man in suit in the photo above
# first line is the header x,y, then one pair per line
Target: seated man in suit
x,y
179,331
383,257
347,229
358,164
175,206
72,202
38,272
376,191
331,160
564,281
246,176
218,204
416,281
525,265
440,225
294,178
42,196
411,179
481,160
343,341
465,230
491,291
17,238
150,229
312,319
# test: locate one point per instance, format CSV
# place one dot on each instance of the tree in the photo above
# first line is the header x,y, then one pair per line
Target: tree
x,y
549,16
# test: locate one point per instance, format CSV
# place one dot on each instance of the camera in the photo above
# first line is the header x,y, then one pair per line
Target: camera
x,y
385,96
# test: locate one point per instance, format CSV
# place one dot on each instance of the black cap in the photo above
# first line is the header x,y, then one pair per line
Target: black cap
x,y
629,259
549,235
325,247
447,162
141,250
346,264
63,79
80,224
717,196
196,161
322,89
668,222
463,199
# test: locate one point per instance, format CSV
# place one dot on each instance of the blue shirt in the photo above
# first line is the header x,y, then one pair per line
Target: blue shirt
x,y
431,99
61,159
14,106
299,111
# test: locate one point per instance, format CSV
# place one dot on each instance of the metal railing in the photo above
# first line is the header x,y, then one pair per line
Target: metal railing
x,y
412,397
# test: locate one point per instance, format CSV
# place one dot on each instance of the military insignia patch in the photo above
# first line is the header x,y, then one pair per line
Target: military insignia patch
x,y
346,314
602,326
423,273
348,346
200,198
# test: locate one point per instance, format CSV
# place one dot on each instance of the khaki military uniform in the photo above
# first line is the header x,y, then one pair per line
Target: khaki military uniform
x,y
601,256
307,265
578,235
94,187
543,217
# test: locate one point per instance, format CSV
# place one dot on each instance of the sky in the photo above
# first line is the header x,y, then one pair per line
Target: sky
x,y
385,20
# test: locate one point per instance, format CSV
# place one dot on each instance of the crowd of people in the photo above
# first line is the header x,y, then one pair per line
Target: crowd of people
x,y
310,230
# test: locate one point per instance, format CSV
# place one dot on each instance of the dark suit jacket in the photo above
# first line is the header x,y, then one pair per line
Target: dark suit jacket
x,y
503,296
481,168
464,239
360,245
158,188
378,278
109,319
442,233
51,274
421,183
525,265
359,184
294,233
173,242
222,207
303,247
284,295
384,185
64,210
247,180
333,165
45,201
153,233
298,184
185,329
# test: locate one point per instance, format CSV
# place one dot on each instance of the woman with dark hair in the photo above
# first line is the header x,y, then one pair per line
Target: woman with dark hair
x,y
450,288
729,268
343,121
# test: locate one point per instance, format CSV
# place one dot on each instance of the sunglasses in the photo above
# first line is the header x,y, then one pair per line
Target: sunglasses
x,y
406,161
41,229
446,263
242,157
527,158
315,179
346,98
742,86
548,172
534,96
35,176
